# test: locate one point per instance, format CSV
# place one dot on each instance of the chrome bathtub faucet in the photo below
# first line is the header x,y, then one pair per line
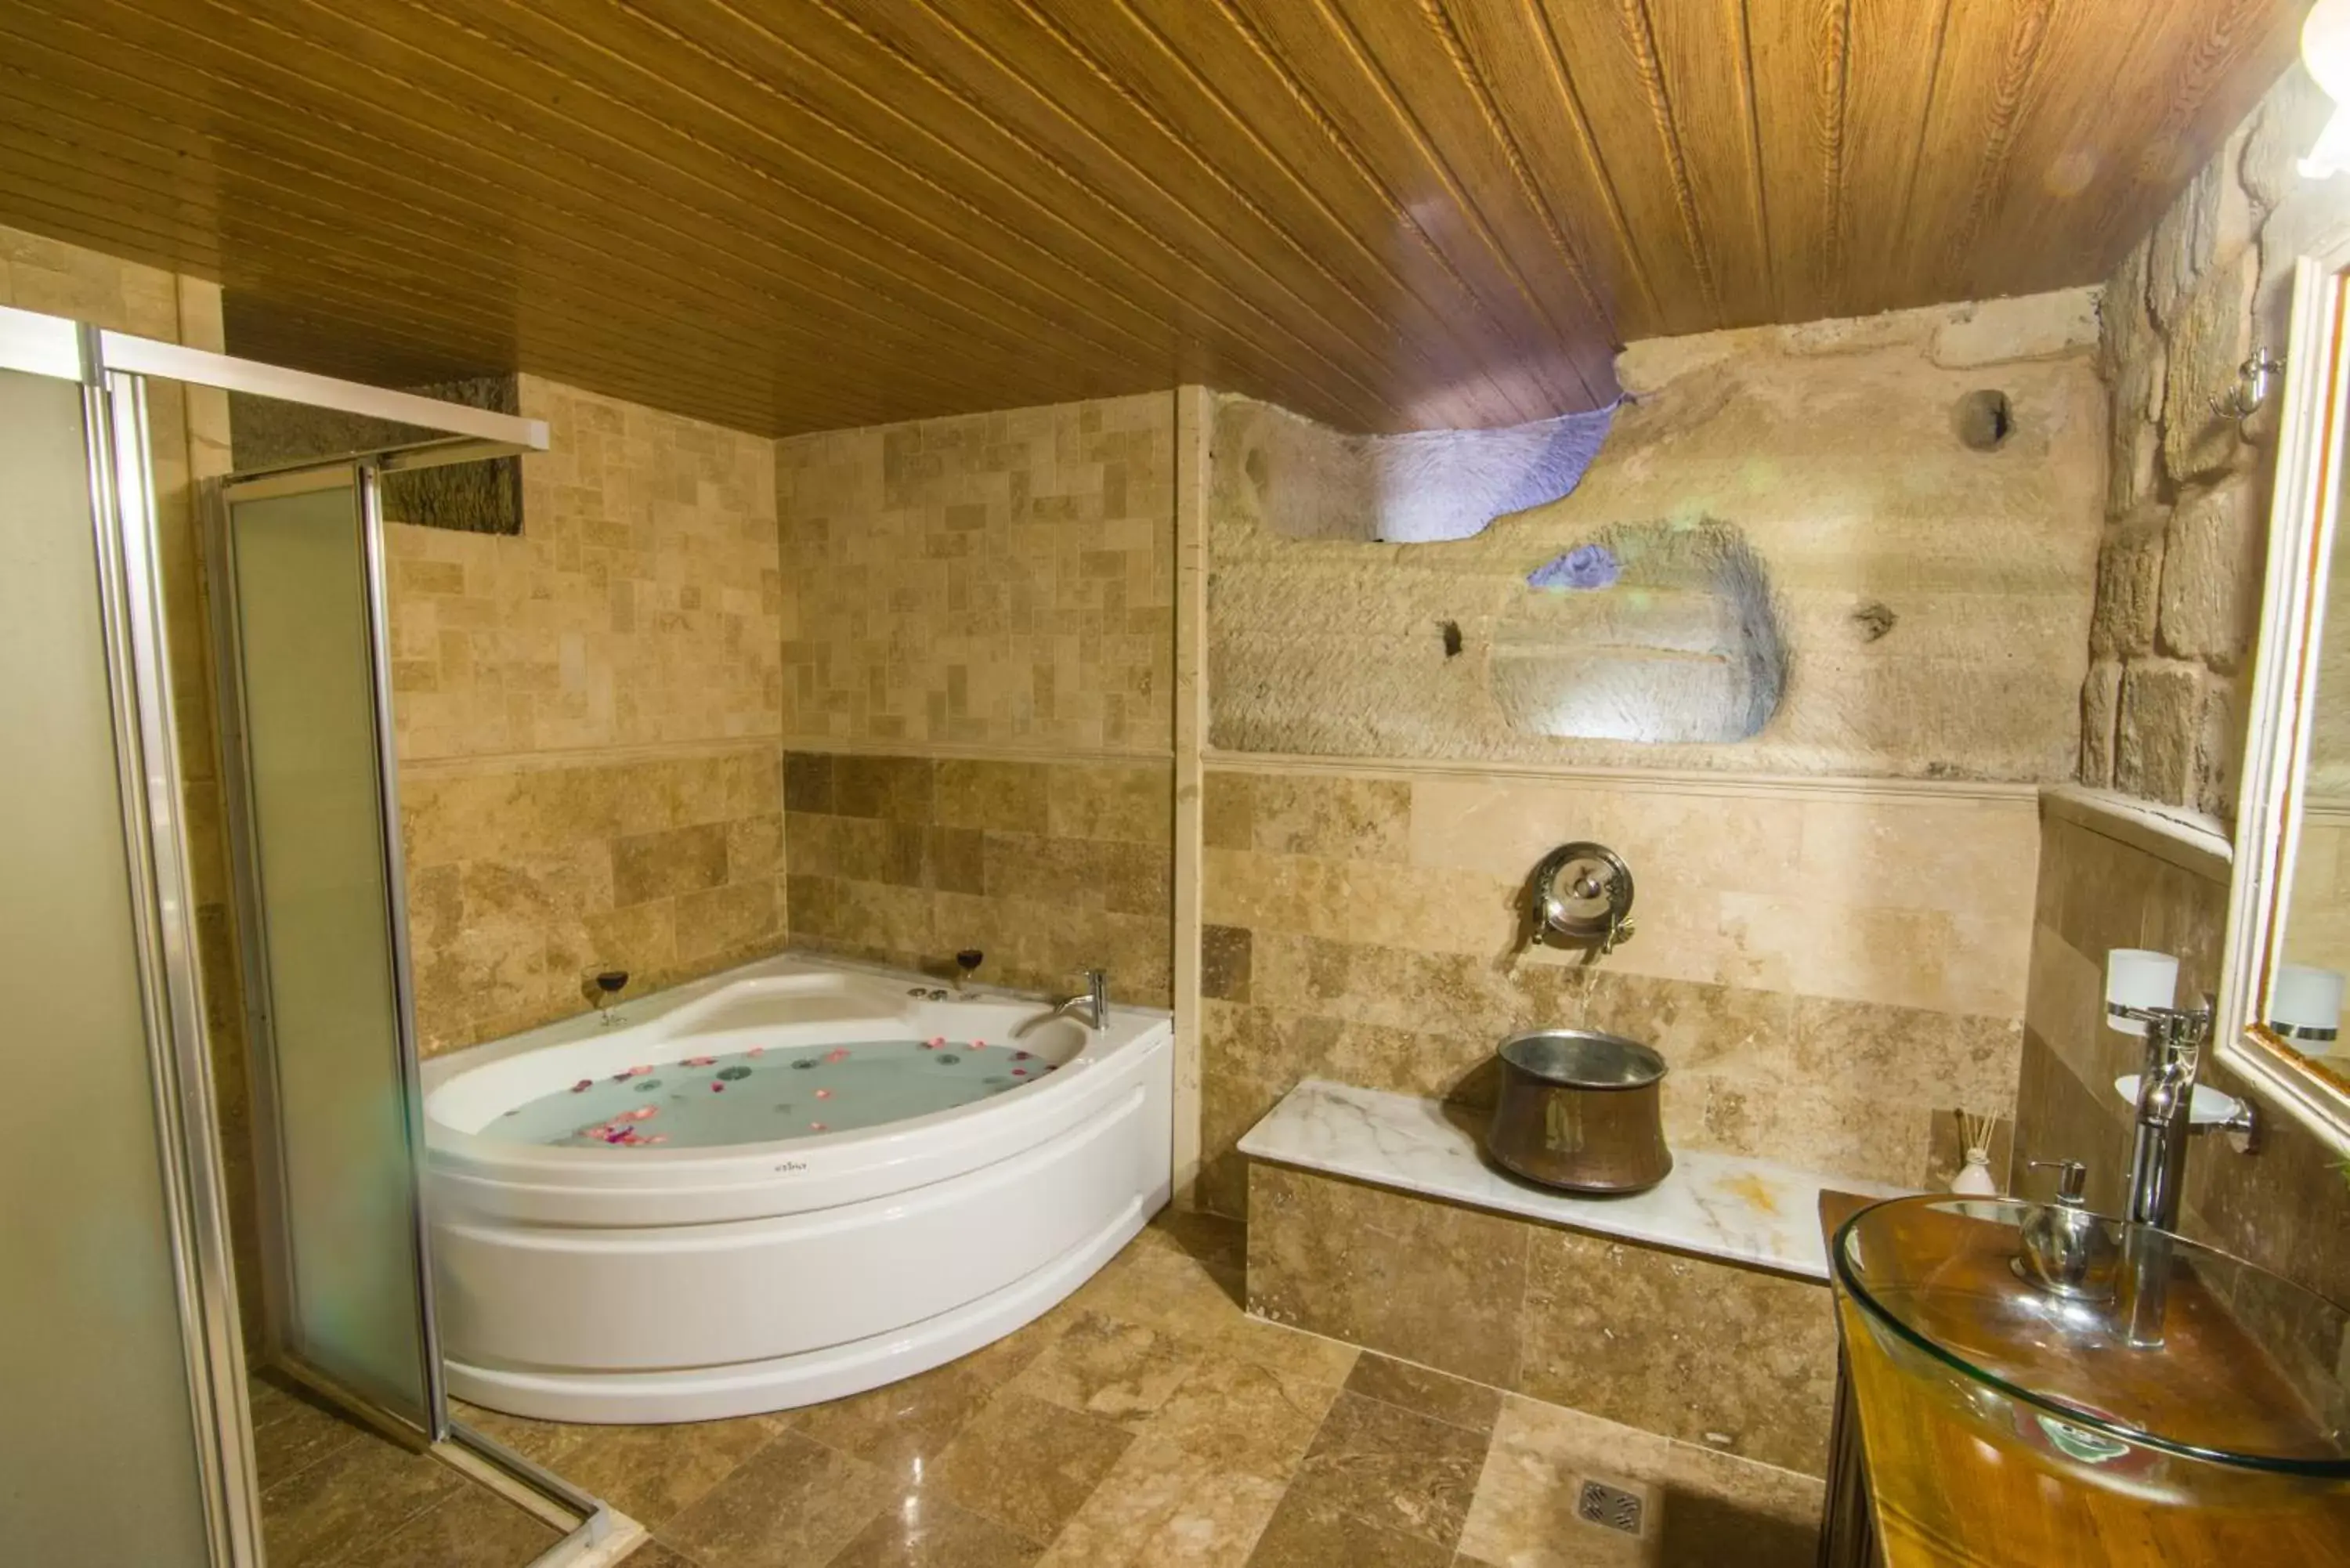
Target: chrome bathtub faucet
x,y
1090,1005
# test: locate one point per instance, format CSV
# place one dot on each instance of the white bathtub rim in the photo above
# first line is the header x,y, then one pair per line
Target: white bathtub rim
x,y
475,1148
907,1155
640,1011
478,1174
900,1156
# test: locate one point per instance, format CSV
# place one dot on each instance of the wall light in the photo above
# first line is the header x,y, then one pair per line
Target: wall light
x,y
2326,51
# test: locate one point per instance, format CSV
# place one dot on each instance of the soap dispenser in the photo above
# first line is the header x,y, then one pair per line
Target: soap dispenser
x,y
2068,1252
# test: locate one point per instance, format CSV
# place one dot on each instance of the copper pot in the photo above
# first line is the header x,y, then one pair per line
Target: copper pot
x,y
1580,1111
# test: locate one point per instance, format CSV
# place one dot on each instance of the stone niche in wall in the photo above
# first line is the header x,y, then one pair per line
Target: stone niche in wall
x,y
1862,546
482,497
1656,632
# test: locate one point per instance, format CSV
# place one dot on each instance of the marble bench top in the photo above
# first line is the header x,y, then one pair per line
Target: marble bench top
x,y
1716,1205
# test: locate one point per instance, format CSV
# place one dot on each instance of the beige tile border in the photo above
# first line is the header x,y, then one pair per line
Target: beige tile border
x,y
1666,780
2188,840
1036,752
585,756
1194,417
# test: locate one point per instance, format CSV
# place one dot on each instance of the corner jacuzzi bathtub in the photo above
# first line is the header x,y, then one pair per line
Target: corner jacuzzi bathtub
x,y
786,1183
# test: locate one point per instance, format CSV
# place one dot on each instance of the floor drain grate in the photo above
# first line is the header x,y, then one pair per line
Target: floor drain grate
x,y
1610,1506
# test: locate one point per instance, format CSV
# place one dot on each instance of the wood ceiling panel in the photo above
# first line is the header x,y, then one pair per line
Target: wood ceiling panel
x,y
1384,213
1892,54
1704,59
1799,53
527,274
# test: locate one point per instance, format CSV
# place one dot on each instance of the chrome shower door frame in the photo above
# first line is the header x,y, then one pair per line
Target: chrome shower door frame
x,y
362,476
129,553
122,488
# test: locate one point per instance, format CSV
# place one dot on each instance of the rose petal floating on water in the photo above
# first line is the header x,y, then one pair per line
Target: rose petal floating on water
x,y
583,1086
937,1040
824,1094
1019,1055
838,1054
637,1072
817,1127
979,1044
641,1112
757,1051
700,1061
1019,1071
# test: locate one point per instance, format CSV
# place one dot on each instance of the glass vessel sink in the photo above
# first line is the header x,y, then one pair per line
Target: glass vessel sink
x,y
2194,1377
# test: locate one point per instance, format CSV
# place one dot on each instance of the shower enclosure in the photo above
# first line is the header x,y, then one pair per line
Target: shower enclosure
x,y
118,1295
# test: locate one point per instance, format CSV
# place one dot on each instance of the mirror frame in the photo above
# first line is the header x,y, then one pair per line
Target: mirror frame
x,y
2314,421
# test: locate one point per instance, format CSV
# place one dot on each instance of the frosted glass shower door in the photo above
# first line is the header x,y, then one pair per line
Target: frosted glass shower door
x,y
98,1461
350,1291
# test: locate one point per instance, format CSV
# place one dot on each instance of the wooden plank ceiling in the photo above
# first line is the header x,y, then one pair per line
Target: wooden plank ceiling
x,y
800,214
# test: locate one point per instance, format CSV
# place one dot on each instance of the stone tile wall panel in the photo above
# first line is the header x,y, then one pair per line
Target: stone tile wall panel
x,y
1001,580
1049,868
1366,927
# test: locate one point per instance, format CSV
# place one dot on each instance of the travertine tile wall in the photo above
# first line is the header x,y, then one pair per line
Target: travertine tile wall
x,y
1831,974
2106,882
588,716
1732,1359
2187,492
188,429
978,691
643,604
527,875
2317,916
1002,579
1046,868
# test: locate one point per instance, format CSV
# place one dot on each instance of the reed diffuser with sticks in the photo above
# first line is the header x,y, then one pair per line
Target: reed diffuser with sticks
x,y
1973,1176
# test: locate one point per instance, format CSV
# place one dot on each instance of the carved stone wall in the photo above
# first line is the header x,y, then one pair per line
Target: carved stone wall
x,y
1909,599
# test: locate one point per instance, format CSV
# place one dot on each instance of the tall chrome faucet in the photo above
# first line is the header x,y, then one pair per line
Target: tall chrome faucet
x,y
1091,1005
2166,1097
2175,1039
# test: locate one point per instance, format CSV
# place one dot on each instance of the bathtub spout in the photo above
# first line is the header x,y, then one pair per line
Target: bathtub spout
x,y
1091,1005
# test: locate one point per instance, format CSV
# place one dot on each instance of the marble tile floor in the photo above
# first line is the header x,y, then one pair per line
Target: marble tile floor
x,y
1149,1422
337,1494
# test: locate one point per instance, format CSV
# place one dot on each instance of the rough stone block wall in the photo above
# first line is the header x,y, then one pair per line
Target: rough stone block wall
x,y
2188,492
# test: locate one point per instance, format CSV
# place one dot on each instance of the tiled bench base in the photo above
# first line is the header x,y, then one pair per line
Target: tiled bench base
x,y
1736,1358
